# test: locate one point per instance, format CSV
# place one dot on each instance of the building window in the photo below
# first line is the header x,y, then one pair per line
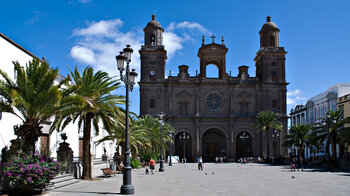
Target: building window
x,y
273,76
244,108
274,103
302,118
183,108
152,103
153,40
273,64
341,107
294,120
272,40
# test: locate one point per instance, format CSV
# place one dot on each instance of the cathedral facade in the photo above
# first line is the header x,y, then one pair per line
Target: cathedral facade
x,y
214,116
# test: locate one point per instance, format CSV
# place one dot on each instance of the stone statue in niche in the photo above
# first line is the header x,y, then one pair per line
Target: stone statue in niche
x,y
244,76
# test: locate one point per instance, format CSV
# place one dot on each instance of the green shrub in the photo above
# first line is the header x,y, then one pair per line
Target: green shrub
x,y
134,163
32,171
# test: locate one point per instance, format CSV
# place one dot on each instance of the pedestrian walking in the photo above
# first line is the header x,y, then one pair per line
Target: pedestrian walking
x,y
152,164
300,163
200,163
147,170
292,164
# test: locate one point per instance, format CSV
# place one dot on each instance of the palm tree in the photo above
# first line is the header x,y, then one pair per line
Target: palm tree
x,y
265,121
33,97
91,103
298,136
144,135
334,125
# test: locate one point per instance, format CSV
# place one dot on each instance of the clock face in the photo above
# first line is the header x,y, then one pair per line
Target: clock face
x,y
152,73
213,101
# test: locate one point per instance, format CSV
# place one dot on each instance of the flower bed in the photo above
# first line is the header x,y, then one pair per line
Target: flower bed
x,y
30,171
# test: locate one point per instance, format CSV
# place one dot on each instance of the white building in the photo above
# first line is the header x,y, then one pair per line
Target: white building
x,y
10,51
316,107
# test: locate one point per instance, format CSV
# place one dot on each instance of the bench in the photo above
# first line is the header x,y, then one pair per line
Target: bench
x,y
108,172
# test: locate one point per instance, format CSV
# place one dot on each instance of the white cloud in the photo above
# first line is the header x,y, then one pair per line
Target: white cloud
x,y
38,15
172,43
83,54
177,33
187,25
294,98
99,42
106,28
84,1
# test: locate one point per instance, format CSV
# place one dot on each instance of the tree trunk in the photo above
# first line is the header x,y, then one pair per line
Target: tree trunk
x,y
30,134
334,149
87,147
268,144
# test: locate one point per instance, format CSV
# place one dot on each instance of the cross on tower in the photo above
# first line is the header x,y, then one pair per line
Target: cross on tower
x,y
213,37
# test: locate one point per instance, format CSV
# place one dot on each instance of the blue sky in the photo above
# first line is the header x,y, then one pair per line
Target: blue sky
x,y
89,32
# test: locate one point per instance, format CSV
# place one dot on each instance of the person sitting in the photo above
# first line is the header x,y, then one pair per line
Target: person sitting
x,y
120,166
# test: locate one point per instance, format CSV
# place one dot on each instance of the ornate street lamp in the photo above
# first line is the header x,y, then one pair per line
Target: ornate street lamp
x,y
243,136
171,138
129,80
275,135
161,167
184,137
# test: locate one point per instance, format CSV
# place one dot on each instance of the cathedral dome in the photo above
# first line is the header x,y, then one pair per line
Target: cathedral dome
x,y
269,25
154,24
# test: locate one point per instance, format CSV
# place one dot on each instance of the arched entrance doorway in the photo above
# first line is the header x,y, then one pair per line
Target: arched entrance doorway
x,y
183,146
213,144
244,145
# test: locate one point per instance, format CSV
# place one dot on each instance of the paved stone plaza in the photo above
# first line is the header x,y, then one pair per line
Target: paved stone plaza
x,y
218,179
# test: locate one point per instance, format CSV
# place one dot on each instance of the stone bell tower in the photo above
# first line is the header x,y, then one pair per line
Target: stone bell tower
x,y
213,53
153,57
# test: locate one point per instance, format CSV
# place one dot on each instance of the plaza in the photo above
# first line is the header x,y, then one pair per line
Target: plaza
x,y
217,179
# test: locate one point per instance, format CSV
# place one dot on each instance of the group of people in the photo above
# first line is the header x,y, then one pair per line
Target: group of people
x,y
296,163
242,160
220,159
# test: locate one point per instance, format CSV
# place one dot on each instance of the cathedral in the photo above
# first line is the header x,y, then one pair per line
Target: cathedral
x,y
214,116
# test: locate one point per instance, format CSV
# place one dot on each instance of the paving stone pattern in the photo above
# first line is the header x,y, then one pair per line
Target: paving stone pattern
x,y
218,179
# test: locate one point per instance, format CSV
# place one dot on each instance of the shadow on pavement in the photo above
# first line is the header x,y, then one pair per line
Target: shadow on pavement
x,y
87,192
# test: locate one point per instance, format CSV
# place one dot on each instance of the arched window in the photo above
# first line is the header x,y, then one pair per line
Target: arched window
x,y
152,103
183,107
272,40
273,76
212,71
274,103
244,108
153,40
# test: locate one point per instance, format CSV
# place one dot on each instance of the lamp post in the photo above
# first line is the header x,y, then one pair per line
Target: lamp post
x,y
243,136
275,135
129,80
171,138
161,167
184,137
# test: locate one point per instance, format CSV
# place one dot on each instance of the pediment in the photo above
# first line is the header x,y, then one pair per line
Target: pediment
x,y
244,94
183,95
